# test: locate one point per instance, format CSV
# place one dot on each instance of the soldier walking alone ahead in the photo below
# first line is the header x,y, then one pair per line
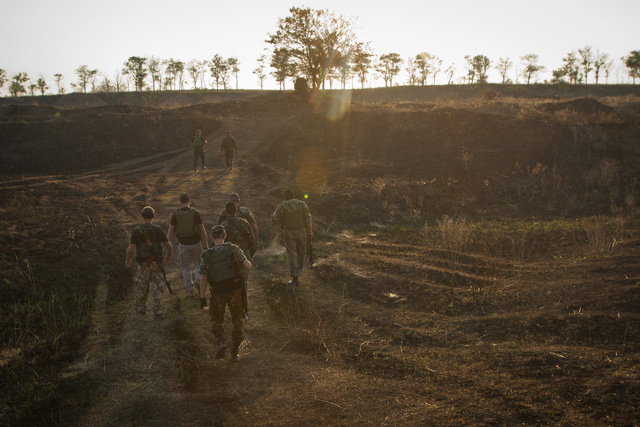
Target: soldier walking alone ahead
x,y
198,142
229,148
186,224
294,219
222,267
146,241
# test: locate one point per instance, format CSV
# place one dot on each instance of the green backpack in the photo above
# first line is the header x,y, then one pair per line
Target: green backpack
x,y
220,263
186,223
197,142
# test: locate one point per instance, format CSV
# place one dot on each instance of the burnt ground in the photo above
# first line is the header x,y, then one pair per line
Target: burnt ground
x,y
476,263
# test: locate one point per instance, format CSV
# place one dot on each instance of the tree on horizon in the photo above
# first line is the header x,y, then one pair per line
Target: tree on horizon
x,y
310,37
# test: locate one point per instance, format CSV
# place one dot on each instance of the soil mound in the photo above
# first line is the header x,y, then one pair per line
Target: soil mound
x,y
579,105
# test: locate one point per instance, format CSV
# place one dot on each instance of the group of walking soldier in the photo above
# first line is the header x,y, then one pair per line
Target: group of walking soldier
x,y
224,264
228,147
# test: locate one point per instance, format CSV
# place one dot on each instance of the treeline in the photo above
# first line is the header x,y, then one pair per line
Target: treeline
x,y
322,48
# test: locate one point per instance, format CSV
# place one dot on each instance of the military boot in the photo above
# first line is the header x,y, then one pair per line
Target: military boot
x,y
234,354
222,349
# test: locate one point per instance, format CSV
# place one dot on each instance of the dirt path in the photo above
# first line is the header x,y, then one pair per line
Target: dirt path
x,y
142,371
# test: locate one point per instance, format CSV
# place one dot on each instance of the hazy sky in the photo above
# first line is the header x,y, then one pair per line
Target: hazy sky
x,y
42,37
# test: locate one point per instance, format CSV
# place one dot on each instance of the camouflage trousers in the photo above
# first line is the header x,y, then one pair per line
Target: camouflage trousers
x,y
198,152
148,279
219,301
228,155
189,255
295,243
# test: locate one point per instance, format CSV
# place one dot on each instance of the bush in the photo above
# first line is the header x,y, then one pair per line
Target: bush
x,y
301,85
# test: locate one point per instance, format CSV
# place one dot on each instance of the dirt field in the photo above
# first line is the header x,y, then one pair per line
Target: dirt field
x,y
477,262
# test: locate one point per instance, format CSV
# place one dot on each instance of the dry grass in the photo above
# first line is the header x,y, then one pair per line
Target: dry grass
x,y
448,237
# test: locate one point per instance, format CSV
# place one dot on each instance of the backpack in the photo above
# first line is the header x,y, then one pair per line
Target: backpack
x,y
227,143
186,223
293,217
219,261
197,141
245,233
143,250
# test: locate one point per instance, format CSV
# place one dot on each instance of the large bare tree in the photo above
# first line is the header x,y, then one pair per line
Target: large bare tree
x,y
310,37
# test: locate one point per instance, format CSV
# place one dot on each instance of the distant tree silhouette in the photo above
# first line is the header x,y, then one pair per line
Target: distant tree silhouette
x,y
282,65
361,60
331,72
3,77
192,69
471,70
155,68
449,72
234,68
388,67
436,64
587,62
344,68
219,71
259,71
632,62
17,84
480,65
58,79
136,67
423,65
175,70
84,77
106,85
411,68
531,66
570,69
118,81
599,63
42,85
503,67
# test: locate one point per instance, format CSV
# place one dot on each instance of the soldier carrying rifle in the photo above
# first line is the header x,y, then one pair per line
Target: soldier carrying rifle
x,y
222,267
294,220
146,241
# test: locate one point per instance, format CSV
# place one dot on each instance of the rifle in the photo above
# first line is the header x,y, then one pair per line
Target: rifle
x,y
156,258
310,251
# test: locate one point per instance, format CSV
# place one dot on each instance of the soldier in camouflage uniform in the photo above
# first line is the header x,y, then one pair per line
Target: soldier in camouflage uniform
x,y
198,142
294,219
222,267
146,241
243,212
239,231
229,147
